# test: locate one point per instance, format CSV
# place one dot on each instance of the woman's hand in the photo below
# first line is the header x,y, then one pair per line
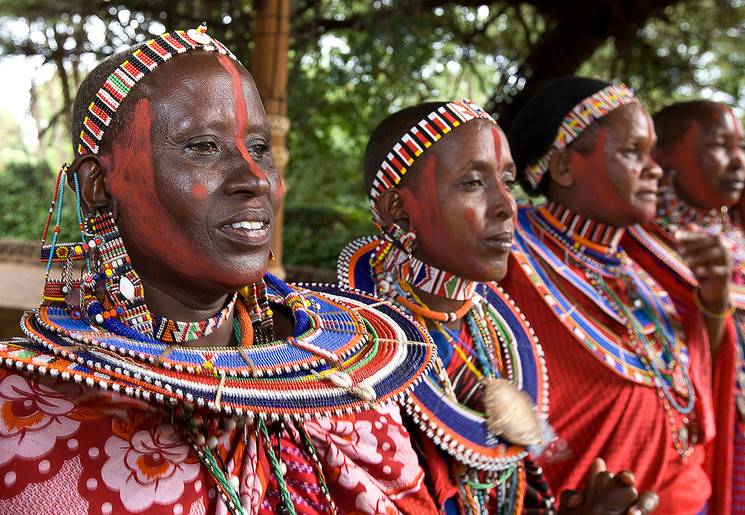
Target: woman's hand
x,y
606,494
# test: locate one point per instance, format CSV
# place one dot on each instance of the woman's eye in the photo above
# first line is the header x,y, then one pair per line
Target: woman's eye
x,y
258,150
474,183
631,151
202,147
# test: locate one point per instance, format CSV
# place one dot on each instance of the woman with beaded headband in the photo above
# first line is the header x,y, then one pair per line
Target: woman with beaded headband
x,y
439,176
700,147
629,359
171,375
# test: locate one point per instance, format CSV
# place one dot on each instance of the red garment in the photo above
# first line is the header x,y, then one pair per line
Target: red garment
x,y
719,452
73,449
597,412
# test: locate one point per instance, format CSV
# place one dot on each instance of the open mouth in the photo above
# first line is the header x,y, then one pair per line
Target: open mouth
x,y
247,225
502,242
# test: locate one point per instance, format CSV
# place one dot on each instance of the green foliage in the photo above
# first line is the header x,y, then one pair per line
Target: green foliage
x,y
315,235
694,51
27,191
354,62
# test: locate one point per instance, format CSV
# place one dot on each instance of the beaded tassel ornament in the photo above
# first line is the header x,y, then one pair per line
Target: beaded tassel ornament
x,y
494,321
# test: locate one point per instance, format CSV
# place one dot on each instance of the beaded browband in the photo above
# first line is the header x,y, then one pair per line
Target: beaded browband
x,y
577,120
418,139
144,60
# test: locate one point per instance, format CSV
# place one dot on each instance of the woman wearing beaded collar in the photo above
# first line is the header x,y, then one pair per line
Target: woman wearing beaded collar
x,y
701,150
117,405
629,360
439,176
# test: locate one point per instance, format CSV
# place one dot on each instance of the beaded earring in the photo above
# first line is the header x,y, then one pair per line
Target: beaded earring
x,y
407,240
115,286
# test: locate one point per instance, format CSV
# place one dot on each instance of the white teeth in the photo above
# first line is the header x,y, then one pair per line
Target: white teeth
x,y
247,225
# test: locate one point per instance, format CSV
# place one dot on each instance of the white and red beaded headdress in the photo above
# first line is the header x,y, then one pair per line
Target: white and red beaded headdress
x,y
577,120
121,81
418,139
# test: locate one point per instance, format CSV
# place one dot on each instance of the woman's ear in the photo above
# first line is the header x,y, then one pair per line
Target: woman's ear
x,y
560,168
91,186
392,210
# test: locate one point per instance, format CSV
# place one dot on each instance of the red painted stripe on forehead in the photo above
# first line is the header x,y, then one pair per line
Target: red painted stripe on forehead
x,y
241,113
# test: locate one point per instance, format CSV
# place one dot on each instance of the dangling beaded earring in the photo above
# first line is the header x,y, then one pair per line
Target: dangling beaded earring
x,y
407,240
391,235
123,298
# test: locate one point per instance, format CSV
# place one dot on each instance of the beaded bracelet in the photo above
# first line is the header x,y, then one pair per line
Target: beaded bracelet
x,y
710,314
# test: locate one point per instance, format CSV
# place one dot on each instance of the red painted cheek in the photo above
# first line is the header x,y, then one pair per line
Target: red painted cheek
x,y
592,165
241,113
469,216
199,190
422,202
131,161
636,172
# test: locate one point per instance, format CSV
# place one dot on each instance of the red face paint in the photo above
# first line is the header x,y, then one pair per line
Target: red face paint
x,y
587,167
171,172
199,190
240,113
708,161
458,205
736,124
427,188
616,183
469,216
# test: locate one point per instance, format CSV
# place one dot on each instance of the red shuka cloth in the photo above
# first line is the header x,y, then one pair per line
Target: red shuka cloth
x,y
719,451
596,412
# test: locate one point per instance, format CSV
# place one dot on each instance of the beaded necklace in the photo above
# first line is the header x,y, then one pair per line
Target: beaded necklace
x,y
657,357
174,331
398,263
672,212
504,347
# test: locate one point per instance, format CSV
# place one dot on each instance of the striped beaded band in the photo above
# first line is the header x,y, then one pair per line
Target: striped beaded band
x,y
418,139
579,118
144,60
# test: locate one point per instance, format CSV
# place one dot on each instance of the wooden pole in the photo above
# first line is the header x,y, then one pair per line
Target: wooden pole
x,y
269,70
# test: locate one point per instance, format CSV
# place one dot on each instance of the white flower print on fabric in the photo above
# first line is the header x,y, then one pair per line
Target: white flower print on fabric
x,y
151,468
32,418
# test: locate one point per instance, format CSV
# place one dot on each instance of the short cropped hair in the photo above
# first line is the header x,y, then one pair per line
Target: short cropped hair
x,y
672,122
388,132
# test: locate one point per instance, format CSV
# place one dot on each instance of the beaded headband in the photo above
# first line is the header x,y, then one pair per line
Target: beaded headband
x,y
142,61
418,139
579,118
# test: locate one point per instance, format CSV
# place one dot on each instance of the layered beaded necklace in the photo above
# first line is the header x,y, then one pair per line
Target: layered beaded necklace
x,y
347,352
657,355
672,213
504,352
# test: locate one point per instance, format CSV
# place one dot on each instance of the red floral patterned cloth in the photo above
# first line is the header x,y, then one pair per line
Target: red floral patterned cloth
x,y
66,448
